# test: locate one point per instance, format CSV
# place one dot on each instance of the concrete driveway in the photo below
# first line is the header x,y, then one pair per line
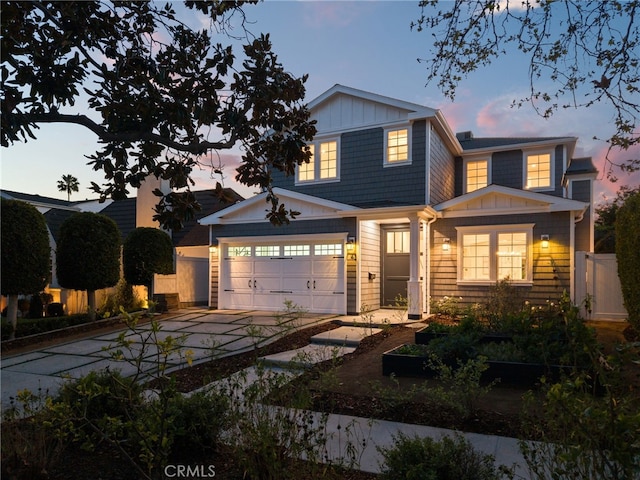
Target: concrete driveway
x,y
205,333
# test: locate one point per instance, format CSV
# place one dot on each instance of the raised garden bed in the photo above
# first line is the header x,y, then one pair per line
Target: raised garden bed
x,y
525,374
425,335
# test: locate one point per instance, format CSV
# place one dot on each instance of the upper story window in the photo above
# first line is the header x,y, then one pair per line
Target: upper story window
x,y
323,164
476,174
490,254
397,146
538,171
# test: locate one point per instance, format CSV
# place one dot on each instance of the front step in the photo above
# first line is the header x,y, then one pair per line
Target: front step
x,y
344,336
306,356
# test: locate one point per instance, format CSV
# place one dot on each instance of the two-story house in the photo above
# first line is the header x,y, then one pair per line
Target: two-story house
x,y
395,205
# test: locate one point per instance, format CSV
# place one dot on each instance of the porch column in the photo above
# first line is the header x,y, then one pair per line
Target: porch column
x,y
414,285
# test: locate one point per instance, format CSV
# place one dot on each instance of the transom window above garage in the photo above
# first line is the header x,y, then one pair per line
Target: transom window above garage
x,y
328,249
297,250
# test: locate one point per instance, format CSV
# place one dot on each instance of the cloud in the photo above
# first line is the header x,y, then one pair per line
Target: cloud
x,y
330,14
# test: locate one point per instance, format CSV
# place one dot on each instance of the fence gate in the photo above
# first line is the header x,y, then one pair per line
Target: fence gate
x,y
597,279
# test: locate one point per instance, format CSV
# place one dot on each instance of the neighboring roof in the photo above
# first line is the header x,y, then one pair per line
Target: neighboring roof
x,y
123,212
193,233
38,200
579,166
55,217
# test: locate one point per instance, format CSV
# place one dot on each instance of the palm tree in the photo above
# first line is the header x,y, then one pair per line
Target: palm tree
x,y
68,184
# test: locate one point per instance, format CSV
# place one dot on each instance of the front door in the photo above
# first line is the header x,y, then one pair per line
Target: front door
x,y
395,265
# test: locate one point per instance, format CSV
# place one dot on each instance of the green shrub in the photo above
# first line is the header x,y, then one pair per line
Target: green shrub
x,y
627,248
33,326
450,458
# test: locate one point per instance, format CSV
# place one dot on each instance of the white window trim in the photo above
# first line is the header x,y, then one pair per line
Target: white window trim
x,y
386,130
552,164
493,231
316,163
465,161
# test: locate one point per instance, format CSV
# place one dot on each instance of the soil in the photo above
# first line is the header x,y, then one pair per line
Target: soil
x,y
354,386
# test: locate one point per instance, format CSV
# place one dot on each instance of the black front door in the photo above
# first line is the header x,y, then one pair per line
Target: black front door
x,y
395,265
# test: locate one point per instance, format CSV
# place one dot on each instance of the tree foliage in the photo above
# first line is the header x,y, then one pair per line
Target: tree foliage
x,y
162,97
588,50
88,254
68,184
605,223
26,253
146,251
627,254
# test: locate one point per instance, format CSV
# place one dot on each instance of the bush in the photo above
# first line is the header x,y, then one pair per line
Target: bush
x,y
55,309
627,248
34,326
450,458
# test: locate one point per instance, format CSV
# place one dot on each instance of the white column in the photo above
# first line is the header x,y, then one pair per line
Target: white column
x,y
414,285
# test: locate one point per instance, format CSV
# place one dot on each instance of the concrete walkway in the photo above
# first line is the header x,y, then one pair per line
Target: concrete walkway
x,y
220,333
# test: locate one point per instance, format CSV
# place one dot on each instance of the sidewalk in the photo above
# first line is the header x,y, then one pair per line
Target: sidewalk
x,y
235,332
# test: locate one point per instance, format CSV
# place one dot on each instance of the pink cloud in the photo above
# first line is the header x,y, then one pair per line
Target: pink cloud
x,y
332,14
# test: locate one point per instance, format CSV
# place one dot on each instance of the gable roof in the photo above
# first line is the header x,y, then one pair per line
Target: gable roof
x,y
497,200
345,108
254,209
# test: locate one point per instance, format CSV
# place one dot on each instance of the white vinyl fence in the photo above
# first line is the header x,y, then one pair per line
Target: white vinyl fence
x,y
597,279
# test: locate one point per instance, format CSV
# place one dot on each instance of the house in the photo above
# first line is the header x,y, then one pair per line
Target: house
x,y
191,278
394,205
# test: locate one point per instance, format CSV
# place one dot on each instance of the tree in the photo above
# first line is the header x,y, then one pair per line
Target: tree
x,y
26,254
88,255
161,96
589,51
627,248
68,184
605,223
146,251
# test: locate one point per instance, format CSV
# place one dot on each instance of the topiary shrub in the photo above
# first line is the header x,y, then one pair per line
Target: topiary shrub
x,y
627,248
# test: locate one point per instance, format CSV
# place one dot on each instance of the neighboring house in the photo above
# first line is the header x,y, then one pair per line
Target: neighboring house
x,y
191,244
395,205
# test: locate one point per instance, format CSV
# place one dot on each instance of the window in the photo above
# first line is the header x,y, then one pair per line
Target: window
x,y
397,146
297,250
493,253
323,164
538,171
239,251
477,174
267,250
328,249
398,241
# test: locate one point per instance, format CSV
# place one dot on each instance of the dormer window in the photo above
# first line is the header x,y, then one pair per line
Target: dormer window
x,y
324,164
538,171
397,146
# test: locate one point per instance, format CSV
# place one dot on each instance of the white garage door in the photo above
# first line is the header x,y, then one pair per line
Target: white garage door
x,y
264,275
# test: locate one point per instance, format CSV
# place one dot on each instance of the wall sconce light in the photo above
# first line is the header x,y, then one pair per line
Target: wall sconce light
x,y
544,239
446,245
213,249
351,247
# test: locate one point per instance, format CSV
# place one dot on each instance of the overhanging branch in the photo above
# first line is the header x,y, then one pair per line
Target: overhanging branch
x,y
130,136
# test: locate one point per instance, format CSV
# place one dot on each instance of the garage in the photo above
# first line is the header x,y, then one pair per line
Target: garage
x,y
262,275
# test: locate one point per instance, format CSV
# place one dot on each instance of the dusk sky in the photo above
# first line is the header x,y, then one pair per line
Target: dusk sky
x,y
364,45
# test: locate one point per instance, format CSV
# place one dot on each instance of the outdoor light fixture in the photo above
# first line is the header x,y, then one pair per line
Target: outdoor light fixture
x,y
213,249
446,244
351,247
545,241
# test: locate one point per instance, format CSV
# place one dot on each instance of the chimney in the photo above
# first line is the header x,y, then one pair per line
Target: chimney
x,y
146,201
464,136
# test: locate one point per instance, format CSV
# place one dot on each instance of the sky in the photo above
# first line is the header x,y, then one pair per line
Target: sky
x,y
367,45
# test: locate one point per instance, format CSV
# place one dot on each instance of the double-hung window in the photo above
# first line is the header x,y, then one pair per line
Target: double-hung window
x,y
490,254
397,143
324,164
476,174
538,171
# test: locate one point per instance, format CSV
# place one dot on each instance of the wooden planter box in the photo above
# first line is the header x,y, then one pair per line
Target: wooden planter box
x,y
512,373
